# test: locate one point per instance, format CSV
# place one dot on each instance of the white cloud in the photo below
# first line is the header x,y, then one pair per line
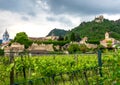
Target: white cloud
x,y
34,26
38,17
112,16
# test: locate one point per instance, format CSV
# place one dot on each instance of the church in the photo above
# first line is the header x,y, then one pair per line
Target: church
x,y
5,37
109,41
5,40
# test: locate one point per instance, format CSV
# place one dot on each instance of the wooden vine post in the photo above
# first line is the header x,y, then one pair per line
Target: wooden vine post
x,y
12,69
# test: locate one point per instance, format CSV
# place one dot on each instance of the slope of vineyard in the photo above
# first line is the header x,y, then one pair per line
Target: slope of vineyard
x,y
65,65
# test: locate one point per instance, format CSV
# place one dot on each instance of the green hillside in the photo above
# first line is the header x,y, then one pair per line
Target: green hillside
x,y
95,30
57,32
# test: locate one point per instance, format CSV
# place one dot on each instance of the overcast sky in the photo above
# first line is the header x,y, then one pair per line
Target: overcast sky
x,y
38,17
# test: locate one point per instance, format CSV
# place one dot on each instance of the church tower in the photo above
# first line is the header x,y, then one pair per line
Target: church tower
x,y
5,37
106,35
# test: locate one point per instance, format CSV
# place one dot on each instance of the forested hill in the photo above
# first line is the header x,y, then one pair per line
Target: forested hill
x,y
96,30
57,32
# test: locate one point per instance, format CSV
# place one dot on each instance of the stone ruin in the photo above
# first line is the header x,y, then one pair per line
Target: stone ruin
x,y
99,19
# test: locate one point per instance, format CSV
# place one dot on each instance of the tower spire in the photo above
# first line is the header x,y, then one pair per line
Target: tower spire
x,y
5,37
106,35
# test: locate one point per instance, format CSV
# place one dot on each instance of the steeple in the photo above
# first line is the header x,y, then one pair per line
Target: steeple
x,y
106,35
5,37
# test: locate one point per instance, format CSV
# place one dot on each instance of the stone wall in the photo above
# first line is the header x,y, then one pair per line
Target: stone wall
x,y
41,47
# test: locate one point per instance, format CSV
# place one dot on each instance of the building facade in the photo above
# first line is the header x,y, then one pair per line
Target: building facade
x,y
15,48
40,49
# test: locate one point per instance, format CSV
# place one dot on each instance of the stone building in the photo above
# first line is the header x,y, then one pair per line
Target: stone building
x,y
40,49
108,41
52,37
83,41
15,48
99,19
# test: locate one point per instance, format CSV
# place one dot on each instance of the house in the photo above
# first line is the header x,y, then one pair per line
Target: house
x,y
52,37
40,49
15,48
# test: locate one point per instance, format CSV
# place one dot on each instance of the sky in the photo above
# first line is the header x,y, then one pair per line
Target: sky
x,y
38,17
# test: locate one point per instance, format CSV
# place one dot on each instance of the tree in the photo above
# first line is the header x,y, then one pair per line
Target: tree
x,y
61,38
77,38
1,52
22,38
66,38
72,37
73,48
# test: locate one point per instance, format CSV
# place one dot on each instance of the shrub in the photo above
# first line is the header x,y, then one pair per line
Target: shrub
x,y
1,52
73,48
83,48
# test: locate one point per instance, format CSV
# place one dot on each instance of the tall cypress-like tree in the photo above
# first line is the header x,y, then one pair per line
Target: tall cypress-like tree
x,y
72,37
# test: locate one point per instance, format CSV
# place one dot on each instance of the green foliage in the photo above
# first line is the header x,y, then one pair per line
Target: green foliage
x,y
96,31
61,38
1,52
5,68
73,37
22,38
109,41
70,66
73,48
93,41
60,43
109,44
100,47
83,48
117,46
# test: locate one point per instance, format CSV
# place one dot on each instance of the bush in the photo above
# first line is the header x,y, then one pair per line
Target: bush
x,y
1,52
93,41
73,48
83,48
60,43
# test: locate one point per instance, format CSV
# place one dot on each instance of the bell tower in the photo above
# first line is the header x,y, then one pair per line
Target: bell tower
x,y
5,37
106,35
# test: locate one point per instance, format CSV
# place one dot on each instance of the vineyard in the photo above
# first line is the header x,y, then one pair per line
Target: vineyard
x,y
74,69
